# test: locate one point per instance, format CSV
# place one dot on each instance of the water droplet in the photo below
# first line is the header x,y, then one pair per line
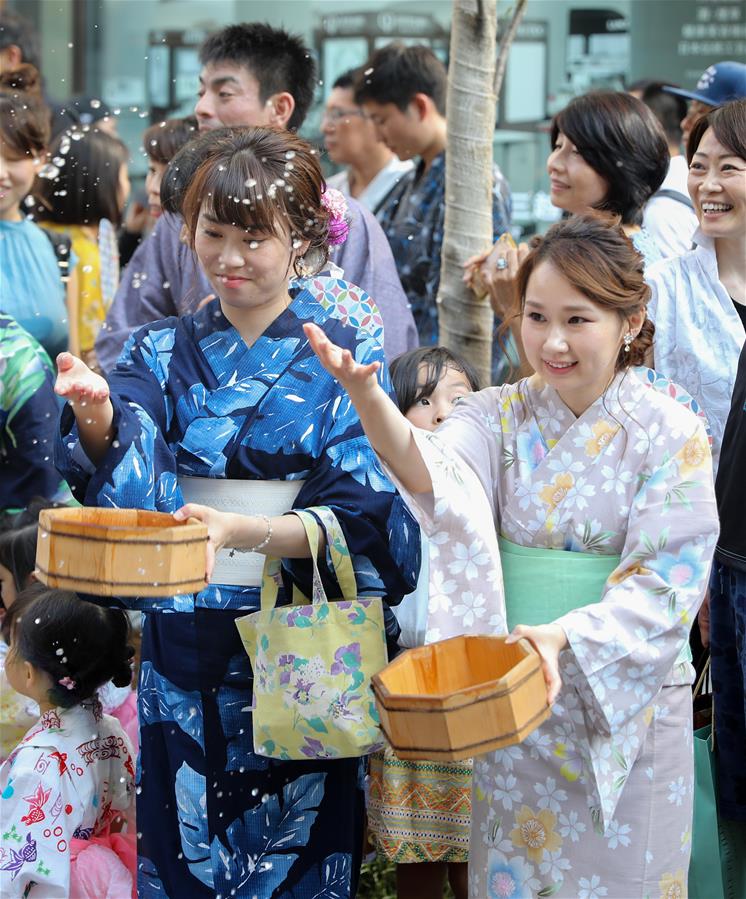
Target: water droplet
x,y
38,620
60,652
255,791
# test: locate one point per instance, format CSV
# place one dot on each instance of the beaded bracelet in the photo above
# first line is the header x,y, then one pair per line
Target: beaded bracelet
x,y
268,537
259,546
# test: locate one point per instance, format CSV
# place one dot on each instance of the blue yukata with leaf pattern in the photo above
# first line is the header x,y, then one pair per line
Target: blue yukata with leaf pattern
x,y
191,398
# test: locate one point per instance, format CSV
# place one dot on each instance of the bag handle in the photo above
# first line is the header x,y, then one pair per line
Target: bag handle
x,y
340,556
699,689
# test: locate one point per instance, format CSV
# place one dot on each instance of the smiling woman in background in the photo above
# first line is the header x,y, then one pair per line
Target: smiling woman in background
x,y
698,300
609,153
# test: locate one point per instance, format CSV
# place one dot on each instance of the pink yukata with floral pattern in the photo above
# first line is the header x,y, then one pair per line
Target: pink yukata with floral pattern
x,y
597,802
69,777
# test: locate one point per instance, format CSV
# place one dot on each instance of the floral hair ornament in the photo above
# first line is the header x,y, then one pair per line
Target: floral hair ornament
x,y
336,205
67,682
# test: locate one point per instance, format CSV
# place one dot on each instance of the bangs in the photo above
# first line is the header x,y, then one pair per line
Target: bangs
x,y
255,203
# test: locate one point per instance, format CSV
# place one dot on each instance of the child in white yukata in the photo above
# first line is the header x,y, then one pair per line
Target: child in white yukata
x,y
69,782
18,713
419,812
578,507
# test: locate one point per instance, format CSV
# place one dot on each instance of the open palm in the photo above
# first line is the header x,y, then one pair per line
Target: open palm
x,y
77,383
340,363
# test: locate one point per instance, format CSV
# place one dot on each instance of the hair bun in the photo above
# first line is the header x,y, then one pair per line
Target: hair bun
x,y
25,78
121,675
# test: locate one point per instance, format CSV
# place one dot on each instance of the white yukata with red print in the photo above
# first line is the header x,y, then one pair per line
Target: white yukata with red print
x,y
69,777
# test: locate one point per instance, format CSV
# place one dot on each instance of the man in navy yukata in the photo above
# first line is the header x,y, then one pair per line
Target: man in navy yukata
x,y
403,90
252,75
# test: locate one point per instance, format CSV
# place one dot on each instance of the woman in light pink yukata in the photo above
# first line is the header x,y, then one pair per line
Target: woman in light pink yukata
x,y
575,507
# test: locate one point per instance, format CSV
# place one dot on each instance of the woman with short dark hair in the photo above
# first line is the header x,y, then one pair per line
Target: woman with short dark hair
x,y
609,153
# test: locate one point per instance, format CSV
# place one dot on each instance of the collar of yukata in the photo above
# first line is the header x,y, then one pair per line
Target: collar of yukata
x,y
53,719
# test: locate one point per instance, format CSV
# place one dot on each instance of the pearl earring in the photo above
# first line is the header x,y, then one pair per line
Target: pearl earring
x,y
627,340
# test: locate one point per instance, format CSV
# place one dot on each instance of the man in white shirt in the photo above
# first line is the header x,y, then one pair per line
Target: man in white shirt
x,y
669,214
350,139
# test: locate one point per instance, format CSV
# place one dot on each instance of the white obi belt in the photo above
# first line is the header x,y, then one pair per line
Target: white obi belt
x,y
240,568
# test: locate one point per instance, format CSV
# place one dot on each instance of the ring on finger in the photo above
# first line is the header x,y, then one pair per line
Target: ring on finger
x,y
501,264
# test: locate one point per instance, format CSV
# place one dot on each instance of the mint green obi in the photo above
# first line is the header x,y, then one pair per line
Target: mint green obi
x,y
541,585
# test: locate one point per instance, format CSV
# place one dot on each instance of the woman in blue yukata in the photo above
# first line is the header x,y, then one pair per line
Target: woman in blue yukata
x,y
233,397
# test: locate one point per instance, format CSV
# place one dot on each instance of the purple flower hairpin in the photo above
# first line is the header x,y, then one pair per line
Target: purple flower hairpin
x,y
336,205
67,682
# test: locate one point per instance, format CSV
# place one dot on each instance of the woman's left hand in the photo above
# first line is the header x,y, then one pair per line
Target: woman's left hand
x,y
548,640
221,529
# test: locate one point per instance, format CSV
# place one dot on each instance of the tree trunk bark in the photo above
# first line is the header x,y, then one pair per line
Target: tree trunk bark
x,y
465,321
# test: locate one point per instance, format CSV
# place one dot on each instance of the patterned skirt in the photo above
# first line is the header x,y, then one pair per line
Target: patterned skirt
x,y
419,811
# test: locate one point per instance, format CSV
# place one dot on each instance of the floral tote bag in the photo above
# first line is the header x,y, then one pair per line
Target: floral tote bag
x,y
313,661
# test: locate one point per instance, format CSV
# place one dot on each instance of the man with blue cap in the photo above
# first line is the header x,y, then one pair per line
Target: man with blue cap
x,y
718,84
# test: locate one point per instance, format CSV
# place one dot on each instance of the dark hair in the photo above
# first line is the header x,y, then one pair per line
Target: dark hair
x,y
641,85
728,122
621,140
347,79
18,553
15,30
396,72
24,118
669,109
30,515
86,186
404,371
280,62
255,178
70,638
163,140
596,257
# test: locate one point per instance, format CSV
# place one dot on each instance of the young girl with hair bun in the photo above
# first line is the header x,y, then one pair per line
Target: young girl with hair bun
x,y
71,778
575,509
229,409
17,563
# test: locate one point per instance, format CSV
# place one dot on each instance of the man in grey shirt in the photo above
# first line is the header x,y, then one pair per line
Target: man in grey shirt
x,y
252,75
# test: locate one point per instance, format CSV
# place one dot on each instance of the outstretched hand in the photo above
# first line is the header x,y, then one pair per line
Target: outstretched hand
x,y
340,363
77,383
548,640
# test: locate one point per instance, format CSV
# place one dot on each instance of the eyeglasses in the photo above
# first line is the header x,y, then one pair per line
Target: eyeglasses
x,y
335,115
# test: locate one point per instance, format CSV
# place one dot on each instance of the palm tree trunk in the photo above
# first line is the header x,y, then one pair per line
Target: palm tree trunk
x,y
465,320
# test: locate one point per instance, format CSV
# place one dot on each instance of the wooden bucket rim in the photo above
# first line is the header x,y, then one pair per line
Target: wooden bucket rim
x,y
383,693
63,524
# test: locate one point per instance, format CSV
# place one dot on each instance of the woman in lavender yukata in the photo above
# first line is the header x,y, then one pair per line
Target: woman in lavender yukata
x,y
594,479
235,392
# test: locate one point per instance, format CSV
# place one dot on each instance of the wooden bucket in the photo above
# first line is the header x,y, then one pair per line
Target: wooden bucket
x,y
120,552
461,697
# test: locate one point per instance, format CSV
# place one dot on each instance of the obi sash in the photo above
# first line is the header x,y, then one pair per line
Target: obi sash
x,y
541,585
237,567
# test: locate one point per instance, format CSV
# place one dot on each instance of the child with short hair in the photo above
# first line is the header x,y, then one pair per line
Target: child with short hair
x,y
73,773
419,812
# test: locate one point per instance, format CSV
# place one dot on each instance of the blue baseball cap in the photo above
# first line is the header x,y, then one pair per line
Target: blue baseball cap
x,y
718,84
